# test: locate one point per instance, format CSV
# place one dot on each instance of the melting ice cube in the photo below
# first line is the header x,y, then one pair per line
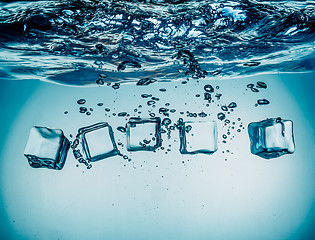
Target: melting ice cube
x,y
98,141
198,137
46,148
143,134
271,138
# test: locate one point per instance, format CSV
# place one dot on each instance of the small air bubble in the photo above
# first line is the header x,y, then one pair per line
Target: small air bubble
x,y
224,108
208,88
121,129
146,95
100,81
150,103
83,110
262,102
102,75
81,101
232,105
116,86
254,89
261,84
221,116
122,114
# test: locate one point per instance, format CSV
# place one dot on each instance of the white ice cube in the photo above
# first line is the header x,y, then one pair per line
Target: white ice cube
x,y
271,138
98,141
46,148
198,137
143,134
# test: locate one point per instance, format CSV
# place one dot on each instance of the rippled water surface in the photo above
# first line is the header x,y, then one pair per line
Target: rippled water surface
x,y
72,42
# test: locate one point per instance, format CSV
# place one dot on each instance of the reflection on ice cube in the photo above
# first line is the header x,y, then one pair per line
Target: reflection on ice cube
x,y
143,134
98,141
198,137
271,138
46,148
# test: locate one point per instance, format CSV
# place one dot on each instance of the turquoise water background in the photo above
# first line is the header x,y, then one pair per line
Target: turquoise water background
x,y
53,53
158,195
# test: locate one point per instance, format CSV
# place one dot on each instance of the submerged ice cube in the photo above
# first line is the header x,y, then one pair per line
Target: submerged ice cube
x,y
143,134
98,141
271,138
198,137
46,148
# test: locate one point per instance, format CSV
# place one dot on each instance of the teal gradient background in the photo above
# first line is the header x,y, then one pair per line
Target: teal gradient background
x,y
158,195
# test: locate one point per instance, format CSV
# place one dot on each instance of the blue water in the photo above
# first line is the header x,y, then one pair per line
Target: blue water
x,y
119,56
72,42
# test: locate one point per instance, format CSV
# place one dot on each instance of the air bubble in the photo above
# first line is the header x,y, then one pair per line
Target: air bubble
x,y
146,95
166,121
122,114
102,75
150,103
202,114
261,84
145,81
262,102
208,88
81,101
207,96
232,105
188,128
224,108
254,89
100,81
116,86
83,110
221,116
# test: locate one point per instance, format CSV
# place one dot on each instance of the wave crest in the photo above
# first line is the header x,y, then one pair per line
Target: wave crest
x,y
72,42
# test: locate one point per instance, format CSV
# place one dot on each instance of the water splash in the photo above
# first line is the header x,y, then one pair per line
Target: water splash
x,y
73,42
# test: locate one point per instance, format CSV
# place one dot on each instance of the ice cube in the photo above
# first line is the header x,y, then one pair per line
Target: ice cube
x,y
143,134
46,148
98,141
198,137
271,138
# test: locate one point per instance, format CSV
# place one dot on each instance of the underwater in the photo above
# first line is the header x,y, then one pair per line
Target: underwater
x,y
157,119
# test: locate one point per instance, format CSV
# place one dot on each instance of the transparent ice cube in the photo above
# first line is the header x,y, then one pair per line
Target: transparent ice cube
x,y
46,148
198,137
143,134
98,141
271,138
